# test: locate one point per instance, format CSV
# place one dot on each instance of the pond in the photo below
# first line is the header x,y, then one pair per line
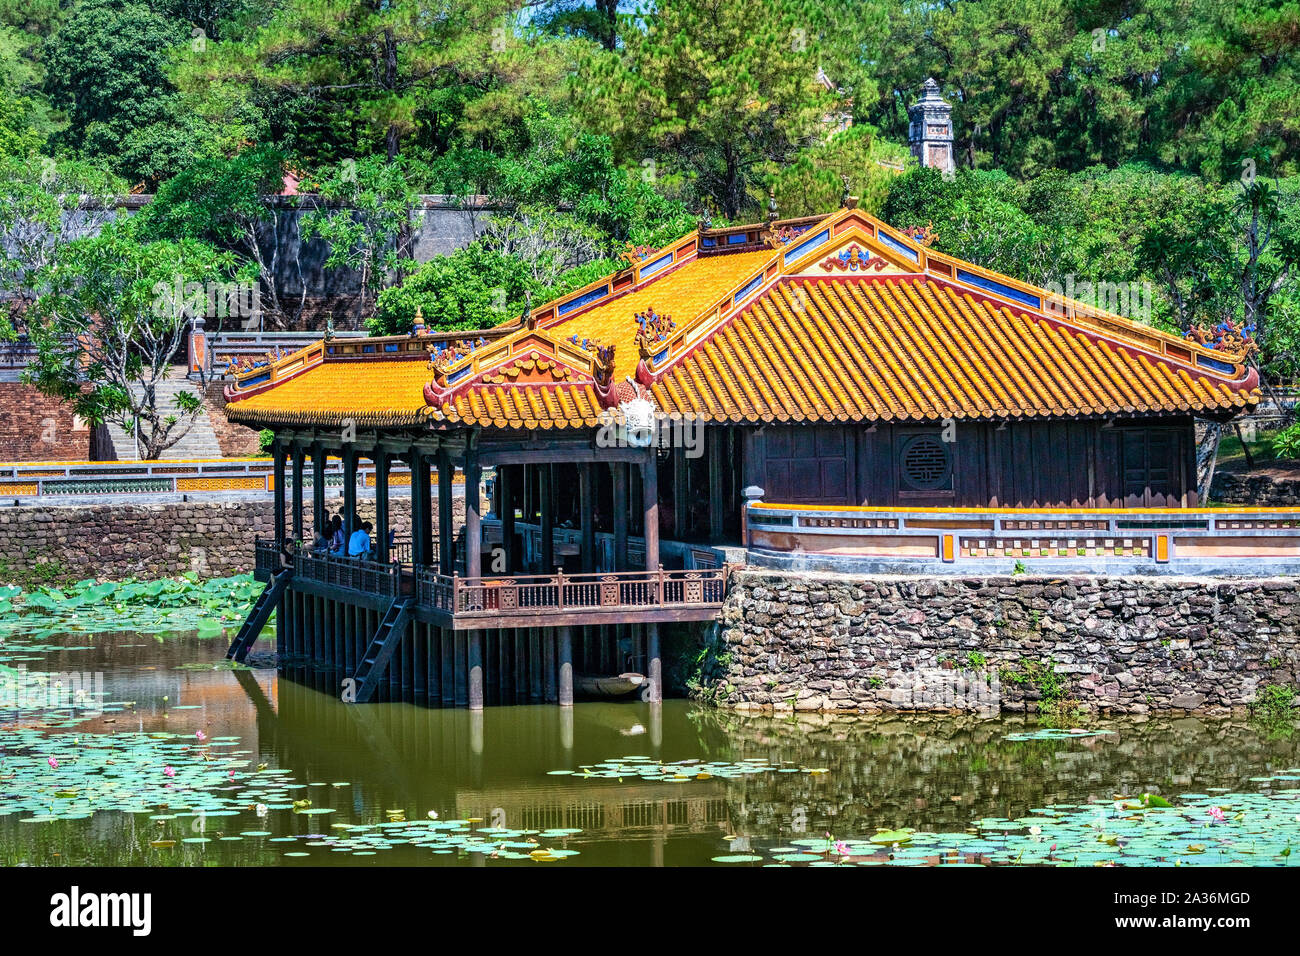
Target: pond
x,y
161,755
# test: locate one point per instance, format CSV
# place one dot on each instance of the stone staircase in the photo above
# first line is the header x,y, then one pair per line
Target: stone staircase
x,y
200,441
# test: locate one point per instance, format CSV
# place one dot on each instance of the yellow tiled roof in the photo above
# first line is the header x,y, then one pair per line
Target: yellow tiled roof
x,y
923,336
909,348
681,294
374,394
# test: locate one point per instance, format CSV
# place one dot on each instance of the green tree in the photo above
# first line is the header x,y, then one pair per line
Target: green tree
x,y
365,210
107,67
230,203
44,205
723,93
107,323
371,59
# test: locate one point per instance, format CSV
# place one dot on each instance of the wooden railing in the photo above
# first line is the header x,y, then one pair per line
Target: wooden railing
x,y
561,594
372,577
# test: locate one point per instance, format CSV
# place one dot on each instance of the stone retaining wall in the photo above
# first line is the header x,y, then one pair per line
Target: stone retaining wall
x,y
1254,490
826,642
212,538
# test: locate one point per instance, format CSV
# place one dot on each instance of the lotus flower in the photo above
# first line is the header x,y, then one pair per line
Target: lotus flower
x,y
169,771
841,848
261,809
54,764
1216,814
433,814
200,736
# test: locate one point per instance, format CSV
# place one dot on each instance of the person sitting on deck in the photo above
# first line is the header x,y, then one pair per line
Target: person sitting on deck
x,y
359,543
321,543
335,534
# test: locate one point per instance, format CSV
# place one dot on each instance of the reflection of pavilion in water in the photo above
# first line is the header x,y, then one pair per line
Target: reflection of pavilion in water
x,y
494,768
601,810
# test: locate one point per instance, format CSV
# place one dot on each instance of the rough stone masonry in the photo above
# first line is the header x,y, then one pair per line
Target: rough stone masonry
x,y
111,542
828,642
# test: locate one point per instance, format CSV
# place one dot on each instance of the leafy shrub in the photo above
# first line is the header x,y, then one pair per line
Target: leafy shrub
x,y
1286,443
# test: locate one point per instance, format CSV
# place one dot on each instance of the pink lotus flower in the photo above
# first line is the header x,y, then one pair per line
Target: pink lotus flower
x,y
54,764
1216,814
841,848
168,771
232,775
200,736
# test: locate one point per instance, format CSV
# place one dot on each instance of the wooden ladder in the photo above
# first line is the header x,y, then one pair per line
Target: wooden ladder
x,y
257,617
382,645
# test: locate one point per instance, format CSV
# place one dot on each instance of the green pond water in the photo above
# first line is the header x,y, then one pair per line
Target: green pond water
x,y
161,756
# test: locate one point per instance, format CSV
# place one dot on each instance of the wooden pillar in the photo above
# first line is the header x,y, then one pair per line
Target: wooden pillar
x,y
473,527
349,494
650,507
566,666
421,509
654,666
297,492
618,475
446,533
318,488
506,496
277,453
474,665
715,438
548,665
587,486
547,494
381,506
680,500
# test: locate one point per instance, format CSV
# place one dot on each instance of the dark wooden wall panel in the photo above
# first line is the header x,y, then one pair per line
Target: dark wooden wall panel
x,y
1035,464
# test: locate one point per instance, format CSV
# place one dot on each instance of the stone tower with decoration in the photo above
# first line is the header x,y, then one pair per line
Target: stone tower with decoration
x,y
929,132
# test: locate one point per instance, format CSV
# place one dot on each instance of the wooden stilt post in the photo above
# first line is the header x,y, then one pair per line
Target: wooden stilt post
x,y
681,501
460,656
618,474
381,506
548,665
566,666
716,438
650,508
297,492
654,666
277,453
506,496
547,494
474,666
446,533
587,485
318,515
473,526
349,494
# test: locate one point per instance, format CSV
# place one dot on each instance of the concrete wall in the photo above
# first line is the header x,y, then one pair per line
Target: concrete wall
x,y
825,642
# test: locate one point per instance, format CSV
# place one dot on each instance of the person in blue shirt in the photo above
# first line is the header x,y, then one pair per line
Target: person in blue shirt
x,y
359,543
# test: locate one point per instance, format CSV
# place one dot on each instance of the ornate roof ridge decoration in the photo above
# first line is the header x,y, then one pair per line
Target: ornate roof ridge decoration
x,y
921,235
853,259
653,329
526,357
1231,339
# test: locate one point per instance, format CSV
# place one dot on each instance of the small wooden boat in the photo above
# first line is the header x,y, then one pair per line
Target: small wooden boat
x,y
600,685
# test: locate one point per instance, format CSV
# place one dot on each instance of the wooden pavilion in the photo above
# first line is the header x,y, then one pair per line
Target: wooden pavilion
x,y
829,361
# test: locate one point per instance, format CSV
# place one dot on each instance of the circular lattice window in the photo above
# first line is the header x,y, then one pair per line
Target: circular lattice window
x,y
924,463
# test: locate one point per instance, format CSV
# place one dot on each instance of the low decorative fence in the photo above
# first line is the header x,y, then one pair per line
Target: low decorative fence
x,y
1192,539
570,595
71,478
